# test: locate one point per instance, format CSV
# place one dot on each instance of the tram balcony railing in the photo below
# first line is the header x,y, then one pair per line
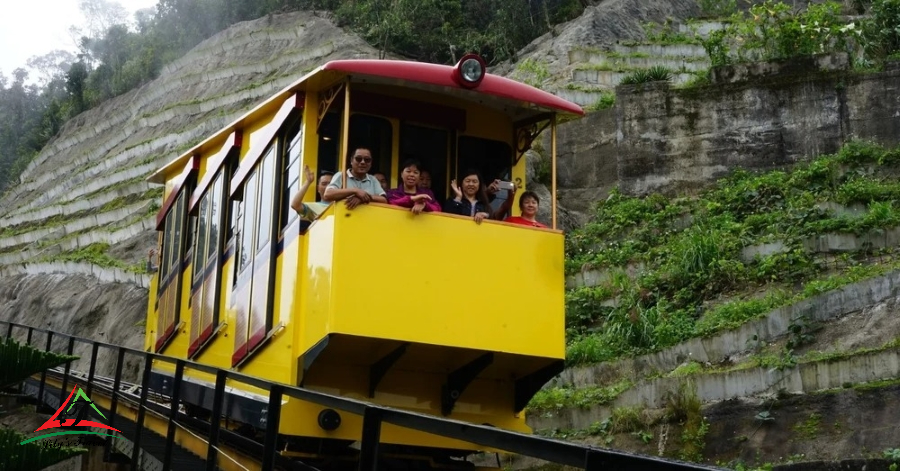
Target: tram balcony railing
x,y
380,271
555,451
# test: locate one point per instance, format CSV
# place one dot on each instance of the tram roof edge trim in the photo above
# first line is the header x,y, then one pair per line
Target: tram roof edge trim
x,y
442,75
419,72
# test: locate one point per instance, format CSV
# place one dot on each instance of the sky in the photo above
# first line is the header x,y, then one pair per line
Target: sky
x,y
35,27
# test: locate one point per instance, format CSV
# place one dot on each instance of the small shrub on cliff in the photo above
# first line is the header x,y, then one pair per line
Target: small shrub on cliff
x,y
882,30
774,31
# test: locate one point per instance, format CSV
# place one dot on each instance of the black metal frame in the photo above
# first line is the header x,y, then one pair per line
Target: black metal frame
x,y
556,451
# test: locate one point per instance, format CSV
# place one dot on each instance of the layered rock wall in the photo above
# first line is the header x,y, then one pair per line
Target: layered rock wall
x,y
760,116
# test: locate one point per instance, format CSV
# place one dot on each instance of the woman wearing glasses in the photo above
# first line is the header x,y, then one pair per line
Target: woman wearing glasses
x,y
361,187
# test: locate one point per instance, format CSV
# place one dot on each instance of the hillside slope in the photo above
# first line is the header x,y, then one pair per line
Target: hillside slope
x,y
83,206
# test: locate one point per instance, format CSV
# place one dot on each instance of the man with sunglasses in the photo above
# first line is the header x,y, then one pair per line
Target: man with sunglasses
x,y
361,187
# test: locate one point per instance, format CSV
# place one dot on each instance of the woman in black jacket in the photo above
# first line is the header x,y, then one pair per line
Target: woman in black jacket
x,y
471,198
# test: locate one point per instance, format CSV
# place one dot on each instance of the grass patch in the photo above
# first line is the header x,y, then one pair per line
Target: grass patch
x,y
558,398
691,278
94,254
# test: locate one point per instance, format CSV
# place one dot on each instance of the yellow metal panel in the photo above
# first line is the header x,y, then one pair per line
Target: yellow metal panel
x,y
449,281
316,279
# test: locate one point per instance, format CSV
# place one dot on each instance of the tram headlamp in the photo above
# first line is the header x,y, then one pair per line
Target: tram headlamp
x,y
470,71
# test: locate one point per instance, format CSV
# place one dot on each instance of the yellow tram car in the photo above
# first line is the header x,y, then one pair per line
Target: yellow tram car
x,y
430,313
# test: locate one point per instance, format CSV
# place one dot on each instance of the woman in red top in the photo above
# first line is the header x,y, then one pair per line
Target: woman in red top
x,y
409,194
528,203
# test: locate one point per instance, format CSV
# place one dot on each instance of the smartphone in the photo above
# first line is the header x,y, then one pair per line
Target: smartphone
x,y
506,185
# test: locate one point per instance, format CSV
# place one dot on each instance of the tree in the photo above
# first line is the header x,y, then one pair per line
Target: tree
x,y
50,66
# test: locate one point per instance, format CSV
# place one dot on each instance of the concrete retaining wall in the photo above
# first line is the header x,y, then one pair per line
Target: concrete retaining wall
x,y
804,378
82,240
75,206
104,274
717,347
92,220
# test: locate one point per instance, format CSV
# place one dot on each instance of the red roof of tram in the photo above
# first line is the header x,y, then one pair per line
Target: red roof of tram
x,y
442,75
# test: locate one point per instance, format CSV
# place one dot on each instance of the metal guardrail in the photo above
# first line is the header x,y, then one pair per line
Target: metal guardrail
x,y
555,451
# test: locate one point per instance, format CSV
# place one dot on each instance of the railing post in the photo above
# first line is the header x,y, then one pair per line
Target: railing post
x,y
9,328
273,417
90,381
40,397
173,413
65,380
114,402
371,435
136,452
28,339
218,399
593,461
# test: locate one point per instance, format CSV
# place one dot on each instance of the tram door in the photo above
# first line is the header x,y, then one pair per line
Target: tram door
x,y
252,290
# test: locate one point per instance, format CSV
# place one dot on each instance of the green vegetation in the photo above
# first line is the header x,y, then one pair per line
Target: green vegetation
x,y
775,31
607,100
673,269
20,362
653,74
95,254
533,72
809,428
557,398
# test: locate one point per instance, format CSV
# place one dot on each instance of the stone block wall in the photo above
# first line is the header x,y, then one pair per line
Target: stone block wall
x,y
751,116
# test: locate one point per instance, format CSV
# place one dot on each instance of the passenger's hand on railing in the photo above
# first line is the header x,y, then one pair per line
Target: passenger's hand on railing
x,y
455,188
480,217
352,201
418,207
363,196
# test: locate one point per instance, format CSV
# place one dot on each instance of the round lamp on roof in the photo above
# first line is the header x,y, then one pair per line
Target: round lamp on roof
x,y
470,71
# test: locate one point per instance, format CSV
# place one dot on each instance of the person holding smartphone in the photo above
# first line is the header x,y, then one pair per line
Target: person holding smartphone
x,y
471,199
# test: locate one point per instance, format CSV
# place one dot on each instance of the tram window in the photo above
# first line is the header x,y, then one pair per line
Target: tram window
x,y
291,178
493,159
248,214
215,206
177,210
329,142
365,131
266,195
429,146
376,134
201,229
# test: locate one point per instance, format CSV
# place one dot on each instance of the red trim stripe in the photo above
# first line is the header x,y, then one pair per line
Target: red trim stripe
x,y
191,166
257,147
215,163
